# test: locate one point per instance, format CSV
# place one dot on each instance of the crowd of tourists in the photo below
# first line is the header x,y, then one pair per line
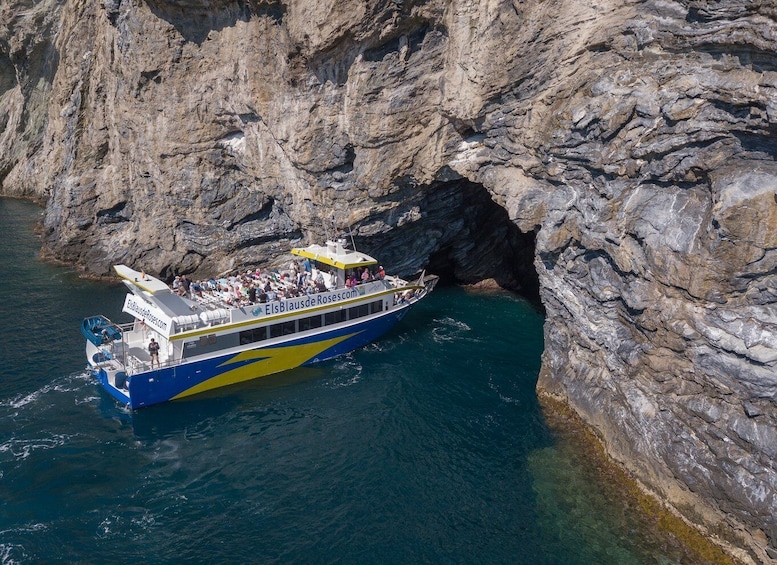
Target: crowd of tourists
x,y
256,287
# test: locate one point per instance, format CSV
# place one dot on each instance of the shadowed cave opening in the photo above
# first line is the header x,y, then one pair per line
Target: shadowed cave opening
x,y
467,237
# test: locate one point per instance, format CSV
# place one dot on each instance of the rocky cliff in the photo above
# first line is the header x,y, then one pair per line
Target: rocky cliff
x,y
620,153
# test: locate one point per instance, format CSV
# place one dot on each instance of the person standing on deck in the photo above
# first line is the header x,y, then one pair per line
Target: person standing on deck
x,y
185,285
153,351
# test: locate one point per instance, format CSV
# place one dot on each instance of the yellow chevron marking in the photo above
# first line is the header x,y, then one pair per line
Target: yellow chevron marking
x,y
265,362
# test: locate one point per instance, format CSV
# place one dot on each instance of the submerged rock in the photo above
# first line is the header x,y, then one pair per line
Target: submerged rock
x,y
620,156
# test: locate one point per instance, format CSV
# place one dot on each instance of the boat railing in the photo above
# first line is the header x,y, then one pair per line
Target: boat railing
x,y
136,365
120,351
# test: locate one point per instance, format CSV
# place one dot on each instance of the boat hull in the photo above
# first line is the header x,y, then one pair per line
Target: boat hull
x,y
196,376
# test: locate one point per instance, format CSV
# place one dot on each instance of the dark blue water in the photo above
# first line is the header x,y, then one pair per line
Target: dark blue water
x,y
427,447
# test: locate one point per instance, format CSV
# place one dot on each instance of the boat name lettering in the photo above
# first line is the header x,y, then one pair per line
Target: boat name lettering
x,y
309,301
146,313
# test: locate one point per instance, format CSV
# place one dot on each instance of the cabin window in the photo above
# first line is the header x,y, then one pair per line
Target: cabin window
x,y
253,335
207,340
365,310
284,328
310,323
358,311
334,317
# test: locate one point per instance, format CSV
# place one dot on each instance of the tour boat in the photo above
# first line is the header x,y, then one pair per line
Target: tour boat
x,y
332,300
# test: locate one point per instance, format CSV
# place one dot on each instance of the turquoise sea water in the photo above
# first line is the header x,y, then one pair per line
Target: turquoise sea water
x,y
426,447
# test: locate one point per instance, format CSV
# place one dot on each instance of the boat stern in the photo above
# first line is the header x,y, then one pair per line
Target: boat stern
x,y
109,371
113,379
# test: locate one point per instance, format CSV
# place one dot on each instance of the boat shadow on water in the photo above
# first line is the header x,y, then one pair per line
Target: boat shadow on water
x,y
176,417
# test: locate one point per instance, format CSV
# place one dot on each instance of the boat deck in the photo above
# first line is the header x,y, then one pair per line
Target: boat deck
x,y
133,350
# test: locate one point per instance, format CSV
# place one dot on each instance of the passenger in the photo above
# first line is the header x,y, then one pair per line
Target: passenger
x,y
153,351
366,276
381,273
252,293
185,284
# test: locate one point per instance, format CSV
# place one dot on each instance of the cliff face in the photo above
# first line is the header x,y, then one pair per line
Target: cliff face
x,y
627,146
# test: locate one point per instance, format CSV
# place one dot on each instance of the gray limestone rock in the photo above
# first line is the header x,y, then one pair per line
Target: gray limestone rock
x,y
619,155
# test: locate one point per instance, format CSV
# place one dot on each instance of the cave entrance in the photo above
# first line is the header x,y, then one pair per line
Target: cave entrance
x,y
467,237
488,246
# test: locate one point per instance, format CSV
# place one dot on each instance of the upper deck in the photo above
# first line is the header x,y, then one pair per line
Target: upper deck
x,y
241,300
335,255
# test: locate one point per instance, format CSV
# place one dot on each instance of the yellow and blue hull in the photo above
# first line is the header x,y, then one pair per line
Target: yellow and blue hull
x,y
199,375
